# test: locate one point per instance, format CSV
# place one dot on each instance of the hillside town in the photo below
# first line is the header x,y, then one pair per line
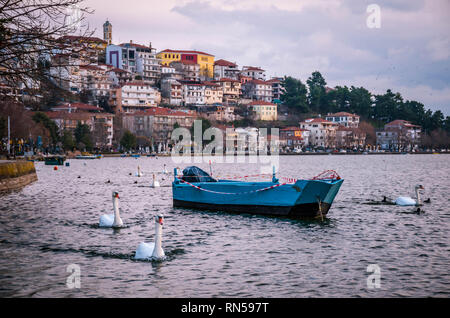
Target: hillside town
x,y
134,88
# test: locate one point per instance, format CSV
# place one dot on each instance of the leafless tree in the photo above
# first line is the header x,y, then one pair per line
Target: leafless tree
x,y
31,35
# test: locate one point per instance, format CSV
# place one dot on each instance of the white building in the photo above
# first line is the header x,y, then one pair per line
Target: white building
x,y
135,96
225,69
322,132
193,93
135,58
344,119
254,72
172,91
257,90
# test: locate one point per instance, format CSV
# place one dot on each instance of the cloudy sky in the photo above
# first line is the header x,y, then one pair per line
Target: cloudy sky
x,y
409,52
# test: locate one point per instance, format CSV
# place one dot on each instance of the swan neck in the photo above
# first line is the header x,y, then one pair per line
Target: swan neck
x,y
158,251
418,196
117,220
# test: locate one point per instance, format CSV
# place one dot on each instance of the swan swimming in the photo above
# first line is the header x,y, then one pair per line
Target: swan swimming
x,y
151,251
407,201
155,183
112,220
139,173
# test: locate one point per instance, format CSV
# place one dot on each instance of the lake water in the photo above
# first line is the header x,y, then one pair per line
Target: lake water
x,y
53,223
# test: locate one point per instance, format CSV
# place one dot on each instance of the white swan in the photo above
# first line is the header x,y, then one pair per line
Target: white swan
x,y
149,251
407,201
155,183
139,173
165,170
112,220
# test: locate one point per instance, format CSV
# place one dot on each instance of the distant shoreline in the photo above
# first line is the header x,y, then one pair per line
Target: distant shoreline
x,y
306,154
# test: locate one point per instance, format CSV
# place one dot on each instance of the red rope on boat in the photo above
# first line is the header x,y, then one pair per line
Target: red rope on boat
x,y
237,193
327,174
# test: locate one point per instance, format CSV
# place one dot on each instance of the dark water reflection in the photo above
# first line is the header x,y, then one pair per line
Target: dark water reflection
x,y
53,223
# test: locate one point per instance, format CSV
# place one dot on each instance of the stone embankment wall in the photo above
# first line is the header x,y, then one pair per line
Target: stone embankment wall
x,y
16,174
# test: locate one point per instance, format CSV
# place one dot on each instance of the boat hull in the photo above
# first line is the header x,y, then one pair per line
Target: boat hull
x,y
307,210
305,198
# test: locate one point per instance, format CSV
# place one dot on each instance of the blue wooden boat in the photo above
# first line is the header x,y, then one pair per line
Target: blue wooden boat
x,y
304,198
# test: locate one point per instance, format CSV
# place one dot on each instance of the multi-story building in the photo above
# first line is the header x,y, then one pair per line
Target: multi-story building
x,y
254,72
171,91
387,140
134,96
344,119
223,113
408,134
189,70
225,69
204,60
88,49
96,80
322,132
68,116
118,76
157,124
294,137
193,93
257,90
169,72
231,90
213,93
350,138
66,72
264,110
135,58
277,89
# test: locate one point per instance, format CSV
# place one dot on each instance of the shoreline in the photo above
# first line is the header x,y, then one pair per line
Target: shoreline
x,y
14,175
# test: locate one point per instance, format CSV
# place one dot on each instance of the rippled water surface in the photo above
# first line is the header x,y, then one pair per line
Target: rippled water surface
x,y
53,223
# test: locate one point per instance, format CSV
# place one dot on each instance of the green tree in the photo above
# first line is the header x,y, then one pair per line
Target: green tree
x,y
317,98
83,136
68,142
338,99
360,100
294,95
49,124
128,140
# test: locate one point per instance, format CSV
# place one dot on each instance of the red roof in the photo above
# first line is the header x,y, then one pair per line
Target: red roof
x,y
82,38
258,82
342,114
260,102
135,45
136,83
273,80
224,63
118,70
91,67
207,83
293,128
183,51
318,120
79,106
252,68
226,79
401,122
161,111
